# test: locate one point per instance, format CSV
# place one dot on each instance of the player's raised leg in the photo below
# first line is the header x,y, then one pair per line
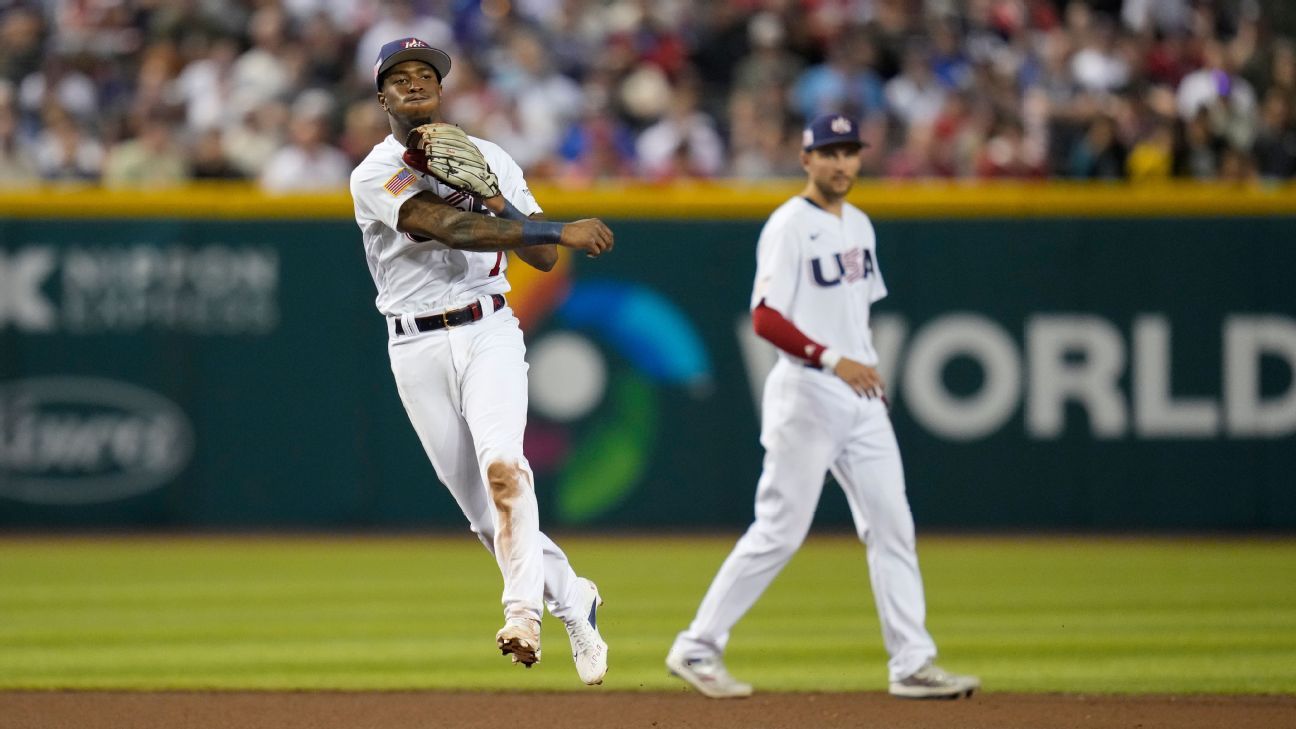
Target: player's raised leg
x,y
573,600
495,403
871,474
426,378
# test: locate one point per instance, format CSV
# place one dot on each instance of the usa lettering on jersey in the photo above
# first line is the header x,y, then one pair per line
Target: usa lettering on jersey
x,y
849,266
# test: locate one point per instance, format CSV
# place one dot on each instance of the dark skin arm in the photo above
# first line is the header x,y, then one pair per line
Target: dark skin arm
x,y
428,216
543,257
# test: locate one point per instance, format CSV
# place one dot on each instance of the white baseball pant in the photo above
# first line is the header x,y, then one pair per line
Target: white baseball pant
x,y
465,390
813,422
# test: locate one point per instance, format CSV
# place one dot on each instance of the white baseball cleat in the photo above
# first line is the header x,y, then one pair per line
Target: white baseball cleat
x,y
520,639
933,682
708,675
589,651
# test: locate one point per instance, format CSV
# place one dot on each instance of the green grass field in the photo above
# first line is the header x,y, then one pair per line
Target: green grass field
x,y
1027,614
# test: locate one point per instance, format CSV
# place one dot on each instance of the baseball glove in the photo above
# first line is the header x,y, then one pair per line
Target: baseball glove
x,y
452,158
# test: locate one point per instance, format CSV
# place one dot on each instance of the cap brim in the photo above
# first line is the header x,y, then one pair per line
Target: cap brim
x,y
859,143
434,57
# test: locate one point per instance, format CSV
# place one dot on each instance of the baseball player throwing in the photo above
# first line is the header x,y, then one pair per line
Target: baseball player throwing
x,y
437,217
823,410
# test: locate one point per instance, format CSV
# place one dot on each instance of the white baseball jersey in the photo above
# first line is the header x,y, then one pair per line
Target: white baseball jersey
x,y
413,276
821,273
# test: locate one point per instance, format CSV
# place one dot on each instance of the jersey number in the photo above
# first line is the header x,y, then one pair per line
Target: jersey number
x,y
499,258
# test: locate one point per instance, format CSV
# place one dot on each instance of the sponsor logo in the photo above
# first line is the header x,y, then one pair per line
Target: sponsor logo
x,y
23,301
82,440
205,290
602,355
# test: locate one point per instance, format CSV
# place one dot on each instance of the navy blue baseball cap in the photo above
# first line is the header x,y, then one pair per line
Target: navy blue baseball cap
x,y
829,129
410,49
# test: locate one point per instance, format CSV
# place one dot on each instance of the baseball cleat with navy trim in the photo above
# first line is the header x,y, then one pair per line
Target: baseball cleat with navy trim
x,y
933,682
589,651
708,675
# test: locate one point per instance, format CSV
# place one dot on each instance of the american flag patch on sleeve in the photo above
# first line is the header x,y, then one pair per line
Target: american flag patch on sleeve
x,y
399,181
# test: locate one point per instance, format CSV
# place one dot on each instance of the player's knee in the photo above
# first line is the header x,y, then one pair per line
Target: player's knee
x,y
507,481
769,540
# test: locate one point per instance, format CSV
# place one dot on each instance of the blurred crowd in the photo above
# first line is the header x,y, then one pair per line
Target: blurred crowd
x,y
153,93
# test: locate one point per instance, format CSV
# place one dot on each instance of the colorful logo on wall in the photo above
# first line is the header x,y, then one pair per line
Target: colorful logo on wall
x,y
600,353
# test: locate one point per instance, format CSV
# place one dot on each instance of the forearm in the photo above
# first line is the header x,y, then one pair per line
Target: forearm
x,y
782,333
431,218
540,257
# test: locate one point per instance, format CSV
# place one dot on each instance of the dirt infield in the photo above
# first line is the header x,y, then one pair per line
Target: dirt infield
x,y
612,710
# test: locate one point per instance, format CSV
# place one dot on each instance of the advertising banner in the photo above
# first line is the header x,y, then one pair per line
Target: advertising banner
x,y
1059,373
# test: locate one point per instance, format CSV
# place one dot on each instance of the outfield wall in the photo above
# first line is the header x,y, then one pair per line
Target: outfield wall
x,y
1058,357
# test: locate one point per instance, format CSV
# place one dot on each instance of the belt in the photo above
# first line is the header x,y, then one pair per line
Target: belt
x,y
453,317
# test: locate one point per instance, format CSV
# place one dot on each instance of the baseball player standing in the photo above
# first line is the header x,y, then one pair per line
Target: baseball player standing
x,y
823,410
435,248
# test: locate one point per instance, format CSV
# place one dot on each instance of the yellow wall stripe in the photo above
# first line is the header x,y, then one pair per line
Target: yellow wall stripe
x,y
715,200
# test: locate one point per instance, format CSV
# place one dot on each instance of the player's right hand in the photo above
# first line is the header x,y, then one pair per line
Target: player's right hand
x,y
864,380
590,235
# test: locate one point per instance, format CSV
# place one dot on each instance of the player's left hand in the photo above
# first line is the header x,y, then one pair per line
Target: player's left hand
x,y
451,157
864,380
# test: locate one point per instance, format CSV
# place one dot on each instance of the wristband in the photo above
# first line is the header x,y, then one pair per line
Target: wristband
x,y
540,232
828,360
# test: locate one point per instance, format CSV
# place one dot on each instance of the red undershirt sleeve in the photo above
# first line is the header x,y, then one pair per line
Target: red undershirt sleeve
x,y
774,327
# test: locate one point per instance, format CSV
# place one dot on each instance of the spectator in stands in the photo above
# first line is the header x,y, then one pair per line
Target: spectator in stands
x,y
770,64
846,82
597,146
17,167
1152,157
761,144
309,162
209,159
684,143
205,86
468,96
252,142
21,38
264,72
67,151
915,159
950,64
916,96
1099,155
364,126
1275,145
543,101
1100,65
1008,153
59,83
151,159
1198,157
1213,86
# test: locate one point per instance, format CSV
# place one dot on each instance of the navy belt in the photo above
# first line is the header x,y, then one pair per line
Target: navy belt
x,y
451,318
